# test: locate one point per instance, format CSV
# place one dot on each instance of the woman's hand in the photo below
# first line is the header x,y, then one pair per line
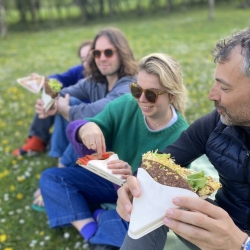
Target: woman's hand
x,y
41,111
120,167
125,195
92,137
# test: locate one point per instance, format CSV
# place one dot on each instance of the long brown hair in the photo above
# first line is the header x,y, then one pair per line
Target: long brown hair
x,y
128,65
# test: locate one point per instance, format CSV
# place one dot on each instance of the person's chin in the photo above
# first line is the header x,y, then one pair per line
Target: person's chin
x,y
224,119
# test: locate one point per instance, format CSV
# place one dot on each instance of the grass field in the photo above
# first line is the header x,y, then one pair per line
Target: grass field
x,y
188,37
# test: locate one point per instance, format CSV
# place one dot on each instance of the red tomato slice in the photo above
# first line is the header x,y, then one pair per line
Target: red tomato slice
x,y
105,156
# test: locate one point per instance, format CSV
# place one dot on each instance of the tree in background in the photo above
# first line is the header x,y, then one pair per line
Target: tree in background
x,y
3,24
211,9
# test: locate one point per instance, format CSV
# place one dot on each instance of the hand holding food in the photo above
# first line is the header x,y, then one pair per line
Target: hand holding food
x,y
98,165
41,111
52,87
120,167
207,226
125,195
92,137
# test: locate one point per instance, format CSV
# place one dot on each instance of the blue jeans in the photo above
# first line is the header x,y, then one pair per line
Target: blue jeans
x,y
40,128
60,146
111,230
69,194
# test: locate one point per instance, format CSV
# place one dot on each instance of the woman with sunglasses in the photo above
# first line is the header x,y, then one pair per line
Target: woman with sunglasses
x,y
149,118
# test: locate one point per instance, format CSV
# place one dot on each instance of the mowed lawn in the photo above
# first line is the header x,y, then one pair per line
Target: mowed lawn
x,y
189,37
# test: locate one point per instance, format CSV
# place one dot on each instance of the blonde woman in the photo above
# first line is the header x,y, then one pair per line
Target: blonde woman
x,y
149,118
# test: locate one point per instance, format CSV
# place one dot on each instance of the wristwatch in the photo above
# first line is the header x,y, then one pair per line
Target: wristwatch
x,y
246,244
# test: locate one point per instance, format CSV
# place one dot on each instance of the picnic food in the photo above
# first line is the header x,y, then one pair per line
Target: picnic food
x,y
84,160
52,87
163,169
33,83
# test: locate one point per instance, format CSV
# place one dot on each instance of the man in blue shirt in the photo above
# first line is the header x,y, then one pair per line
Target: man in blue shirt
x,y
39,131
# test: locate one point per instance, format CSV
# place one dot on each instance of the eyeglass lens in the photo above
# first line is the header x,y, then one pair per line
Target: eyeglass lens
x,y
150,95
107,53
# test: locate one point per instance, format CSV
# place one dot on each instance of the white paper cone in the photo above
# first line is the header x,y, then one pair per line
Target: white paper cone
x,y
150,208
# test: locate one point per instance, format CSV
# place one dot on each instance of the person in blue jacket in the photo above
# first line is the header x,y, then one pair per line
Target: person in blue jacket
x,y
39,131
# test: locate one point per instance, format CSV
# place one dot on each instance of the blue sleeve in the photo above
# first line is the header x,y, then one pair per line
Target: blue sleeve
x,y
70,77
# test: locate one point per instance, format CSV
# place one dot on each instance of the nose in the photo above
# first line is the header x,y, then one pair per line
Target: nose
x,y
143,98
102,56
214,93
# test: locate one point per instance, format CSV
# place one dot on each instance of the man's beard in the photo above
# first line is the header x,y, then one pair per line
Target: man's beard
x,y
237,119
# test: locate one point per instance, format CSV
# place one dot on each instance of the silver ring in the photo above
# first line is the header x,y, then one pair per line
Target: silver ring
x,y
126,165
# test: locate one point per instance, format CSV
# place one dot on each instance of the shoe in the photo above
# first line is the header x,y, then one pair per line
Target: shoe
x,y
32,146
102,247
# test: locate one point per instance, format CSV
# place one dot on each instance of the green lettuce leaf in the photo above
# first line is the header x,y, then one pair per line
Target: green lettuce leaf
x,y
197,180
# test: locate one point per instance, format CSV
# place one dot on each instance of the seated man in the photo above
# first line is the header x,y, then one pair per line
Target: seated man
x,y
224,136
39,134
151,118
111,67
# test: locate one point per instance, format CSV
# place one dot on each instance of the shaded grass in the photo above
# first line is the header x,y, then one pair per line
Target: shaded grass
x,y
188,37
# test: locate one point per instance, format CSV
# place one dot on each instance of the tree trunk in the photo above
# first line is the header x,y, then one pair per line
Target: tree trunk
x,y
169,6
22,7
3,24
111,8
32,10
211,9
101,8
51,15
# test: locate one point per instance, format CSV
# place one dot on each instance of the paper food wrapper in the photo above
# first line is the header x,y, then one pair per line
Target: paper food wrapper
x,y
48,100
150,208
33,83
100,168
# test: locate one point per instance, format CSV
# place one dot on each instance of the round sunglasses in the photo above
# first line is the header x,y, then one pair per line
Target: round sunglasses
x,y
107,52
150,95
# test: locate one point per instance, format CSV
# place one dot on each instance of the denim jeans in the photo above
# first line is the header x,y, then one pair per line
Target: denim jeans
x,y
70,193
59,140
111,230
155,240
40,128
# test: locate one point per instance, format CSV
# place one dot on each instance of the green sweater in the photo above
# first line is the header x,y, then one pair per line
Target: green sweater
x,y
126,133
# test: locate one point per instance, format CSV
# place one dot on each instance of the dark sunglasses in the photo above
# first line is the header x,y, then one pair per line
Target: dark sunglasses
x,y
150,95
107,52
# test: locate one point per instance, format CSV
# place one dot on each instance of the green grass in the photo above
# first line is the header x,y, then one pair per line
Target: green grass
x,y
188,37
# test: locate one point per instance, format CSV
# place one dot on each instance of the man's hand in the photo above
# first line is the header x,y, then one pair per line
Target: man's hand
x,y
125,195
92,137
40,109
63,106
205,225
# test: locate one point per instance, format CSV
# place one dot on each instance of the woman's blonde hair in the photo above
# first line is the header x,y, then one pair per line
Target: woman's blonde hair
x,y
169,73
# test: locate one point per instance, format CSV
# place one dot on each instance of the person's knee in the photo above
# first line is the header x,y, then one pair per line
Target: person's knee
x,y
74,101
47,175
